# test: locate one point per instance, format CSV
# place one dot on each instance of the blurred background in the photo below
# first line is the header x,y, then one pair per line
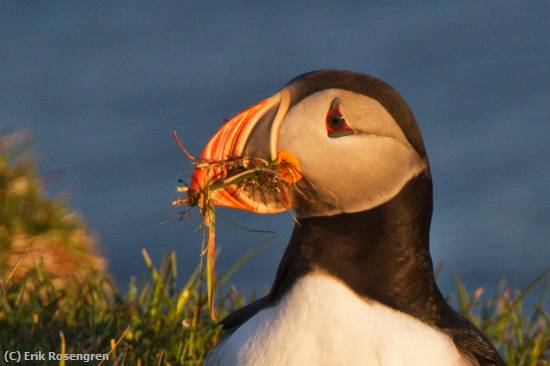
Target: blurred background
x,y
102,85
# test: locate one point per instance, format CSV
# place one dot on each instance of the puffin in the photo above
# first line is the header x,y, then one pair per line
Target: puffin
x,y
356,283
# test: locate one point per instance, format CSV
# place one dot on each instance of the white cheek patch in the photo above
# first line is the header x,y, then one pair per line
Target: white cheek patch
x,y
351,173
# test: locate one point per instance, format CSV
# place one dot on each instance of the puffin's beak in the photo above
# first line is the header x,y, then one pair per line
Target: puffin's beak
x,y
232,141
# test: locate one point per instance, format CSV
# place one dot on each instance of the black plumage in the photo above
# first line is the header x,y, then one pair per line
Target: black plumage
x,y
382,254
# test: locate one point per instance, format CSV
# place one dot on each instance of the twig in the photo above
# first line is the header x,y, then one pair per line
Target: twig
x,y
182,148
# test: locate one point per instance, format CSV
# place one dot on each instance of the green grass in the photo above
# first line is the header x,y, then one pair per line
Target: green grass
x,y
154,322
517,323
162,322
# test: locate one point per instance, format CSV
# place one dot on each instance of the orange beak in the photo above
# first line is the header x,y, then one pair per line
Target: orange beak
x,y
229,143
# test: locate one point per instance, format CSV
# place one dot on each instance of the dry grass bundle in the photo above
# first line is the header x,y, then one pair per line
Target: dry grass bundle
x,y
259,180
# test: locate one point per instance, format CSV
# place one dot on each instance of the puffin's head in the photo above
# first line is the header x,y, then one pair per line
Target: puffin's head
x,y
354,138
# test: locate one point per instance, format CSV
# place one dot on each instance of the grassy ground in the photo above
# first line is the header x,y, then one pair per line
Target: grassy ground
x,y
41,228
161,322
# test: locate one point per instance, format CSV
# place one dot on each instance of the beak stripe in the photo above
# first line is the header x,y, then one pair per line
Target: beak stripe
x,y
276,125
223,145
229,142
266,104
230,198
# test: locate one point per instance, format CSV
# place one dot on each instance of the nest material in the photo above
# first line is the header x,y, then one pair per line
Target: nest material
x,y
255,177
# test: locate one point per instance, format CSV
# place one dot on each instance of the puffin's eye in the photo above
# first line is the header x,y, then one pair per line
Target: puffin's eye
x,y
336,122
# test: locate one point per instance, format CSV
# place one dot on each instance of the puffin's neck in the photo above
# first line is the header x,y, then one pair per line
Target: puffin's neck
x,y
381,253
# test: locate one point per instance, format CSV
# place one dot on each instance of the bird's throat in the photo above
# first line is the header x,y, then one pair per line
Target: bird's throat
x,y
382,254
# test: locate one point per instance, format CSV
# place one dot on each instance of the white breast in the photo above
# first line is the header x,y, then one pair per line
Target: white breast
x,y
322,322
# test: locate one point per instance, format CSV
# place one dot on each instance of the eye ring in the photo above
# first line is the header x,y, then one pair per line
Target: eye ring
x,y
336,123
